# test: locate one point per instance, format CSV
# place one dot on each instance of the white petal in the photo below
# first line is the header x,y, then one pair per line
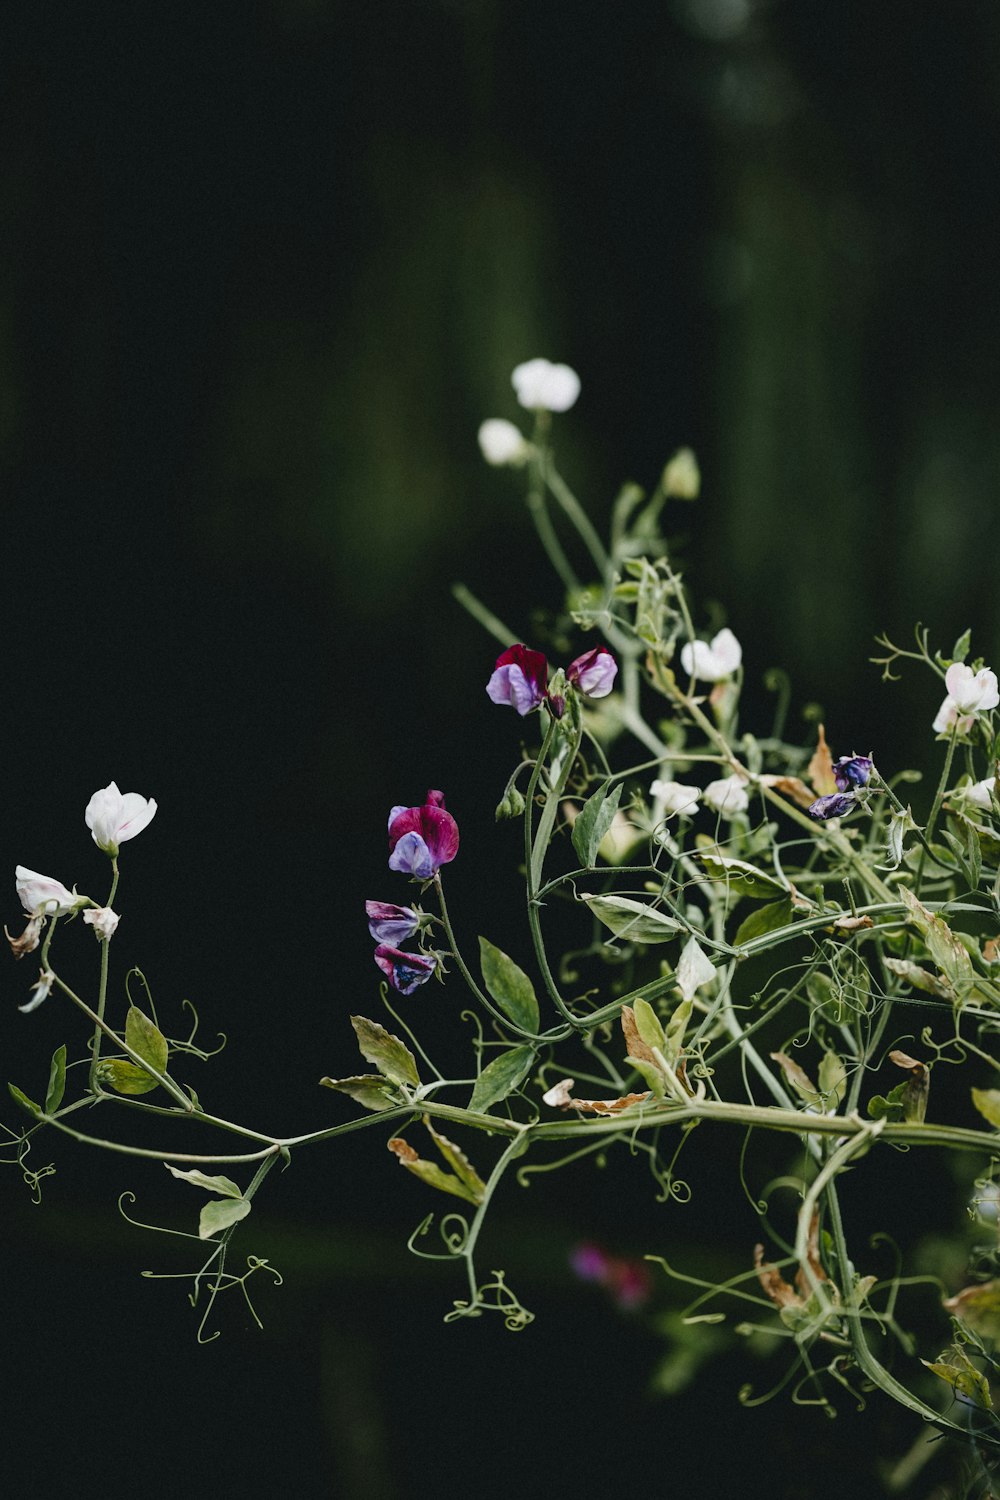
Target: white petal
x,y
694,969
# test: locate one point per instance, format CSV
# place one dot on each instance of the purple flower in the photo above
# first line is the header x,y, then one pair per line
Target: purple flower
x,y
390,924
404,971
836,805
594,672
519,679
851,771
422,839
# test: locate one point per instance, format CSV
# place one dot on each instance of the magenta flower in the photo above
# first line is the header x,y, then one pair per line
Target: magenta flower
x,y
851,771
390,924
422,839
404,971
594,672
519,679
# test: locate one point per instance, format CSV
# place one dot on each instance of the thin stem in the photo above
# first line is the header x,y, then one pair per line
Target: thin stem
x,y
102,991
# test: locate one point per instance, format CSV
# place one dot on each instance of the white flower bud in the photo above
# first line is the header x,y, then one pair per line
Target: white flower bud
x,y
501,443
543,386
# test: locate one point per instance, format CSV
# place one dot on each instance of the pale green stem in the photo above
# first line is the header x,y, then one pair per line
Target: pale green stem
x,y
102,992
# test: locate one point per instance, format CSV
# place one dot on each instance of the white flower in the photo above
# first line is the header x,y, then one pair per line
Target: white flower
x,y
40,991
694,968
113,816
980,794
682,477
712,662
42,896
103,920
969,693
675,798
542,386
500,442
727,796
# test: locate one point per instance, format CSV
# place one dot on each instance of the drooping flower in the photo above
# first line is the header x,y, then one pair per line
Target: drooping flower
x,y
712,661
404,971
391,924
543,386
422,839
501,443
727,796
103,920
694,968
594,672
40,991
851,771
113,816
835,805
519,679
969,693
41,896
981,793
676,799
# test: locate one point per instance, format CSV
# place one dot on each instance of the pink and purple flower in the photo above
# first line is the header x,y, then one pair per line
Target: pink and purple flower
x,y
520,679
422,839
594,672
390,924
851,771
404,971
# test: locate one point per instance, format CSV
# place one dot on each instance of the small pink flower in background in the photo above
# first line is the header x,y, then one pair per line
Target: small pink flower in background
x,y
501,443
42,896
969,693
422,839
103,920
519,679
627,1281
594,672
715,661
113,816
543,386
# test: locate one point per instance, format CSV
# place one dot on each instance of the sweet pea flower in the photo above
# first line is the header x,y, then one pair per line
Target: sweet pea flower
x,y
113,816
969,693
501,443
542,386
519,679
851,771
103,920
422,839
41,896
682,477
391,924
404,971
727,796
594,672
835,805
715,661
980,793
675,798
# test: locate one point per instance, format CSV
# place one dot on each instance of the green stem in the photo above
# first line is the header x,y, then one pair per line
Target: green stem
x,y
466,973
102,992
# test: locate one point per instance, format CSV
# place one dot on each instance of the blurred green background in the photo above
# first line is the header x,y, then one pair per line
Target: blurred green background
x,y
264,268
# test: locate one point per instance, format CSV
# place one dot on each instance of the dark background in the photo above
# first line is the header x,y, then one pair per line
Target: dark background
x,y
264,268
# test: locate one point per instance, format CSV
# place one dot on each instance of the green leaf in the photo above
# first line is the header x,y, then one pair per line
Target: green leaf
x,y
23,1100
124,1077
650,1074
146,1039
764,919
593,821
220,1214
676,1027
743,879
224,1185
987,1101
798,1078
633,919
920,979
960,650
979,1308
501,1077
832,1078
391,1056
648,1024
57,1081
944,946
509,985
369,1089
955,1366
458,1161
468,1186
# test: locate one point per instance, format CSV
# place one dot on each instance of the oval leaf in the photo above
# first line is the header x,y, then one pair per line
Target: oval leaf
x,y
23,1100
633,919
764,919
509,985
124,1077
220,1214
369,1089
146,1039
391,1056
743,879
987,1101
224,1185
593,821
57,1081
501,1077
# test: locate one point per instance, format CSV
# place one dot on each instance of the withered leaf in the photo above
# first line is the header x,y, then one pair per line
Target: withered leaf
x,y
820,769
634,1043
790,786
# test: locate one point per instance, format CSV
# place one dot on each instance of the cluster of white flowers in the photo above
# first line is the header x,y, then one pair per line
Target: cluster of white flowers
x,y
728,797
539,386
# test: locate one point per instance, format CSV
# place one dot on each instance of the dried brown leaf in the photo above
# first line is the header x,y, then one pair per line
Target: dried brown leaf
x,y
851,924
820,769
790,786
773,1283
634,1043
